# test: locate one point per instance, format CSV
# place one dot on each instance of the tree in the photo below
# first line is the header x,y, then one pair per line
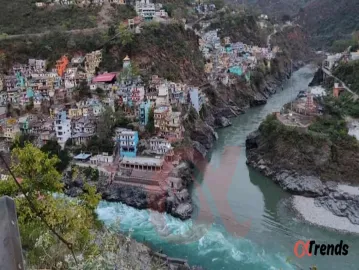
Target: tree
x,y
151,121
125,34
54,149
105,123
111,31
21,140
74,220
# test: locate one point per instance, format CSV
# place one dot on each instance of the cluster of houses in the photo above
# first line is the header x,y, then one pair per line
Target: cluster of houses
x,y
56,115
204,8
225,57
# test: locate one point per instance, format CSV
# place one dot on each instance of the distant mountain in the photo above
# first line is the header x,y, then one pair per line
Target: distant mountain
x,y
329,20
325,20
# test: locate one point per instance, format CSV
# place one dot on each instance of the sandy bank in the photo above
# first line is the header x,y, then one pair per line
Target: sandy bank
x,y
322,217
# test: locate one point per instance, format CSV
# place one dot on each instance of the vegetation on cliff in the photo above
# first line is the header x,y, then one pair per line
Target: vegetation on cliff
x,y
329,20
348,72
23,17
324,149
240,26
84,243
167,50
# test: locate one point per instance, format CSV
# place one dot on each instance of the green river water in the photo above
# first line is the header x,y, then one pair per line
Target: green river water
x,y
274,226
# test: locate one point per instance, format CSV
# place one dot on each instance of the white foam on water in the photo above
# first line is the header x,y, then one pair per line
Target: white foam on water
x,y
189,238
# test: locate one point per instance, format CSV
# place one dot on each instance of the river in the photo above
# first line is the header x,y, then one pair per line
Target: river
x,y
274,227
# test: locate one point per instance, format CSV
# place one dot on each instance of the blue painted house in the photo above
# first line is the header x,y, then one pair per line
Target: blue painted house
x,y
144,112
128,141
236,70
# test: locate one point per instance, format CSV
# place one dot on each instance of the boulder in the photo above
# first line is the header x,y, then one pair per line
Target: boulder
x,y
222,122
183,211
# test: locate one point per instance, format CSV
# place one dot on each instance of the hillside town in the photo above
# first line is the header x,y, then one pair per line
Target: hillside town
x,y
68,101
226,57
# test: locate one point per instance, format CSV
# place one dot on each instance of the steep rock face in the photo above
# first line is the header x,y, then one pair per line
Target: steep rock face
x,y
303,165
275,149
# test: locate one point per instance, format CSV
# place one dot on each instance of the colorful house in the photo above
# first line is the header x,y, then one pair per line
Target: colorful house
x,y
24,124
61,65
144,111
236,70
128,141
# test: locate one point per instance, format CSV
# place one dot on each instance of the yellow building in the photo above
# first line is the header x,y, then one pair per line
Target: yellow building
x,y
12,129
160,116
75,112
208,67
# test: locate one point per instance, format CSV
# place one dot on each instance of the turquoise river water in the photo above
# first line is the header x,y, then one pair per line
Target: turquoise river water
x,y
274,227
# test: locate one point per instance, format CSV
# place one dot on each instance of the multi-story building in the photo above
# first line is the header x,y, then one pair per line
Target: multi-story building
x,y
196,98
144,110
12,129
145,9
160,115
92,61
24,124
163,96
82,131
174,129
62,128
160,146
128,140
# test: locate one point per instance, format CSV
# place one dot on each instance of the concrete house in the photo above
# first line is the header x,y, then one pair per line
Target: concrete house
x,y
160,146
128,141
11,129
144,110
62,128
104,158
196,98
145,9
82,131
160,115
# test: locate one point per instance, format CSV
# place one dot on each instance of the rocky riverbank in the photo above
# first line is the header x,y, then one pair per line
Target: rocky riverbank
x,y
307,166
177,204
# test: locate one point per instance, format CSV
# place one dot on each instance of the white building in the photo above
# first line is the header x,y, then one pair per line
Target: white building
x,y
331,60
145,9
101,159
160,146
162,97
62,128
197,98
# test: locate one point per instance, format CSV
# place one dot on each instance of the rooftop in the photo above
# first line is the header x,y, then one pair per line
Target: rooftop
x,y
142,161
82,156
106,77
161,109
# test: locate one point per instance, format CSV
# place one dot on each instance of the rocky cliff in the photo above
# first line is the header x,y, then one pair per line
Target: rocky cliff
x,y
275,148
308,164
